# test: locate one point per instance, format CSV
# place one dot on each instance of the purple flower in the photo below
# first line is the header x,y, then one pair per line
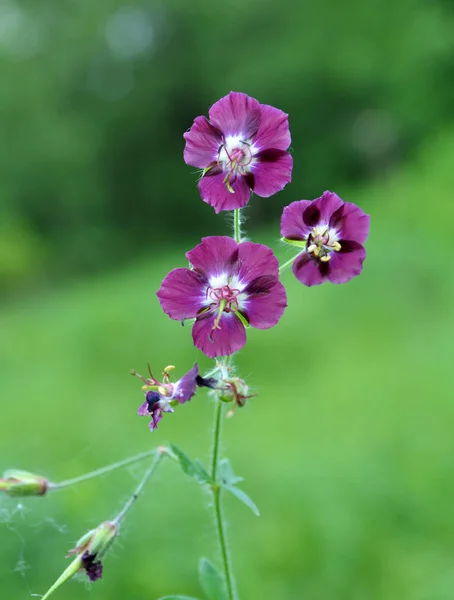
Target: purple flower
x,y
242,147
229,287
332,233
160,396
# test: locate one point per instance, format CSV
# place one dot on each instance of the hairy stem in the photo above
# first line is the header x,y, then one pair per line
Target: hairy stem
x,y
237,225
102,470
220,525
148,473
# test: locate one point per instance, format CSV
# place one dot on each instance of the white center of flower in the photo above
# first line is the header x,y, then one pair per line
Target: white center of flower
x,y
236,156
224,295
321,241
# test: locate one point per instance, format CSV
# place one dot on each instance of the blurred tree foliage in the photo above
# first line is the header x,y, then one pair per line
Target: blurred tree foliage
x,y
96,96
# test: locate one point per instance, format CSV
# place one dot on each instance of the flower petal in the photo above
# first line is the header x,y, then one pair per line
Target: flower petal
x,y
308,270
230,338
143,409
182,293
272,171
274,130
347,263
186,386
215,193
217,255
202,143
293,226
351,222
255,260
157,416
327,204
237,115
264,310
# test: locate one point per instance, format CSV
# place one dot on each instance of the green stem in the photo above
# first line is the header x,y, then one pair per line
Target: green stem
x,y
76,564
102,471
159,455
237,225
288,263
220,525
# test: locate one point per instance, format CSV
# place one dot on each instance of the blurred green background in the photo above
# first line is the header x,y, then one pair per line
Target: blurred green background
x,y
348,448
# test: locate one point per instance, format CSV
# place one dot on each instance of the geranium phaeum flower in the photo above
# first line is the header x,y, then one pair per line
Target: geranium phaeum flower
x,y
242,147
332,233
161,396
229,286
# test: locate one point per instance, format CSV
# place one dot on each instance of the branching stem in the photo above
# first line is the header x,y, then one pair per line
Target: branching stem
x,y
102,470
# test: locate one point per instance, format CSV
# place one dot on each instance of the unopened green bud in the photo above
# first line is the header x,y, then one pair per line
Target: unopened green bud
x,y
23,483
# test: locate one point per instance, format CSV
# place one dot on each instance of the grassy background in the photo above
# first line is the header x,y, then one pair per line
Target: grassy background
x,y
348,448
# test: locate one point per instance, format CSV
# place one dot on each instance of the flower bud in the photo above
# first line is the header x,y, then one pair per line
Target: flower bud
x,y
23,483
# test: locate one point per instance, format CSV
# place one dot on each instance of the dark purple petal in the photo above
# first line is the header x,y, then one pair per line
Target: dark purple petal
x,y
263,310
93,567
182,293
202,143
209,382
143,409
156,417
273,131
215,193
236,114
272,172
292,223
261,285
354,223
255,260
347,263
307,270
311,215
186,386
230,338
327,204
216,255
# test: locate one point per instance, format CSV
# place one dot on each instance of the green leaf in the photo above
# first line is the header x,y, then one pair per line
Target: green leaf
x,y
194,469
242,496
226,474
177,598
211,580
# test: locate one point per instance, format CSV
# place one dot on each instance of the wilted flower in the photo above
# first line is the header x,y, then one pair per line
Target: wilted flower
x,y
23,483
332,233
161,396
88,552
236,390
242,147
229,287
92,547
